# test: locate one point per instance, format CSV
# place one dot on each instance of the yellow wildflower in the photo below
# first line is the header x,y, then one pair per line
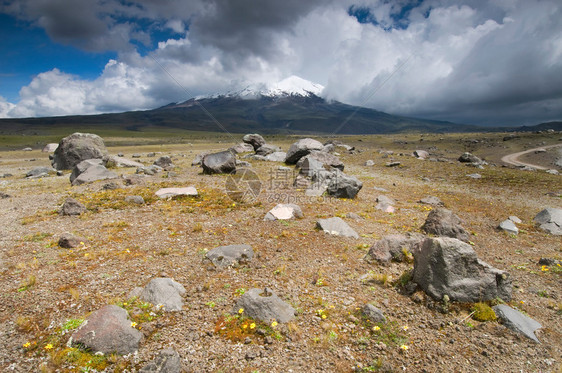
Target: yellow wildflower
x,y
133,324
252,325
81,243
245,326
404,347
274,324
324,316
376,328
241,310
544,268
405,327
26,344
48,346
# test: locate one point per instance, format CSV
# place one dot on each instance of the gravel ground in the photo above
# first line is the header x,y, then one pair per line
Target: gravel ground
x,y
126,245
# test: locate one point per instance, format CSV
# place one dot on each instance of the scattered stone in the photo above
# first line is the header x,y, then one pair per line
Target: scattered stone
x,y
174,192
385,199
76,148
517,321
393,164
431,200
311,168
337,227
231,255
94,173
219,163
385,207
549,262
302,148
378,189
72,207
343,186
515,219
373,314
241,148
509,227
165,162
447,266
167,361
552,172
369,163
421,154
393,248
151,155
469,158
329,148
284,212
69,241
474,176
49,148
550,220
81,167
107,330
264,305
267,149
118,161
254,139
149,170
354,216
324,158
443,222
4,195
134,179
27,149
136,155
276,157
165,292
38,172
135,199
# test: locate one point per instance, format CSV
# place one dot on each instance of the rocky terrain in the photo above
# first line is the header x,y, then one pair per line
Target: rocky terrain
x,y
329,254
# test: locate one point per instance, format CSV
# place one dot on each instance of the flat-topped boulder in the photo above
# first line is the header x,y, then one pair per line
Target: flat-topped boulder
x,y
301,148
219,163
324,158
230,255
344,186
165,292
264,305
550,220
284,211
393,247
337,227
94,173
517,321
175,192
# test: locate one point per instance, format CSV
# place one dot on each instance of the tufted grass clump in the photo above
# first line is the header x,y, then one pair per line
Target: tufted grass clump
x,y
483,312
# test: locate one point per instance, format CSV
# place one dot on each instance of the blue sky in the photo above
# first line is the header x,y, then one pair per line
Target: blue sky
x,y
480,62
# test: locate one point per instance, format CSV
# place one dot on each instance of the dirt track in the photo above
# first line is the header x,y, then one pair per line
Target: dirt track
x,y
512,158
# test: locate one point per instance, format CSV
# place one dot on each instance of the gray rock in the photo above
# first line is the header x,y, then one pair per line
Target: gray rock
x,y
107,330
69,241
552,172
150,170
167,361
284,212
219,163
311,168
49,148
447,266
385,207
517,321
94,173
165,292
379,189
421,154
385,199
369,163
373,314
431,200
264,305
135,199
343,186
199,158
443,222
4,195
174,192
151,155
392,248
118,161
550,220
81,167
27,149
72,207
337,227
276,157
508,226
515,219
354,216
474,176
76,148
267,149
301,148
38,172
329,148
164,162
242,148
469,158
324,158
393,164
231,255
254,139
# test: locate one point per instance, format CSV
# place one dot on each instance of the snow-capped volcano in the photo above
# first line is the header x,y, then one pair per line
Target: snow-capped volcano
x,y
291,86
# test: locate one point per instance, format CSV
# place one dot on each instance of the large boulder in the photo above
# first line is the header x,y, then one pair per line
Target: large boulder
x,y
550,220
267,149
241,148
275,157
447,266
324,158
469,158
264,305
254,139
49,148
94,173
164,162
219,163
443,222
165,292
344,186
39,172
394,247
301,148
108,330
231,255
83,166
199,158
337,227
76,148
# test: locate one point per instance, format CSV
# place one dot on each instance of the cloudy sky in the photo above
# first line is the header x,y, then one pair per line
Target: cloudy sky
x,y
480,62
